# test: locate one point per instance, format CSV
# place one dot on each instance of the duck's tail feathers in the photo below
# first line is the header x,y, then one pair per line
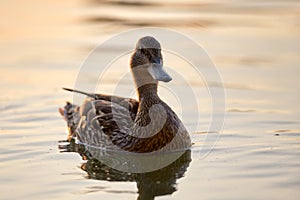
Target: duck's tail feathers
x,y
70,113
80,92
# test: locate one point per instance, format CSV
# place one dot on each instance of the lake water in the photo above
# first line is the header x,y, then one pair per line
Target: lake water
x,y
254,45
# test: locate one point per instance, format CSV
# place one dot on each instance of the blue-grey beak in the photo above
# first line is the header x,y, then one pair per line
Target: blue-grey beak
x,y
157,71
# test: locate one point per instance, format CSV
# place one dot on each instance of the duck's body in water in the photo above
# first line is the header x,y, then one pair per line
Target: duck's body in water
x,y
118,123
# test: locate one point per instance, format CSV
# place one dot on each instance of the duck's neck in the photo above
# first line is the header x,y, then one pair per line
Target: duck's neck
x,y
145,84
147,90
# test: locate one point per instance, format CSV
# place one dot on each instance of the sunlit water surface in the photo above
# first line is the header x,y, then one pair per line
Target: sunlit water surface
x,y
255,45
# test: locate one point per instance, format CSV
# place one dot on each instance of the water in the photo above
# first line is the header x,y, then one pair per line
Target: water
x,y
255,46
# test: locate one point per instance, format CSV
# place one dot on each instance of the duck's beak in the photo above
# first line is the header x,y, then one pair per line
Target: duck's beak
x,y
157,71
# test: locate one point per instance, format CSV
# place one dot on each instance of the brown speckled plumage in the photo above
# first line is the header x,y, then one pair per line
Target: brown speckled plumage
x,y
116,123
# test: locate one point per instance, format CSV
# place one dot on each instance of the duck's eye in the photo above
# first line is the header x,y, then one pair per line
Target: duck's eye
x,y
143,51
146,53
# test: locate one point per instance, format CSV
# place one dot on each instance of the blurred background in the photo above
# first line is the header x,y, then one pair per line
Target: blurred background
x,y
254,44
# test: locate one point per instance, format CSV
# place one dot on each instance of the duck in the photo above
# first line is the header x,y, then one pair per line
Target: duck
x,y
125,124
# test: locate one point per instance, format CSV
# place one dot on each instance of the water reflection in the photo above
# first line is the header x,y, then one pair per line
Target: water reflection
x,y
125,3
174,22
128,14
150,184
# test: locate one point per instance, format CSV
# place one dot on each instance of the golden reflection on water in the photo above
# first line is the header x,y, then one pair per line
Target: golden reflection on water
x,y
254,44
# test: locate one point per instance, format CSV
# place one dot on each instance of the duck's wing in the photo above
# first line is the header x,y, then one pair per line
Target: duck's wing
x,y
100,118
99,115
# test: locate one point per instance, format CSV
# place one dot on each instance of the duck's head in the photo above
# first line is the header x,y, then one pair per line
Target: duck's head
x,y
147,63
